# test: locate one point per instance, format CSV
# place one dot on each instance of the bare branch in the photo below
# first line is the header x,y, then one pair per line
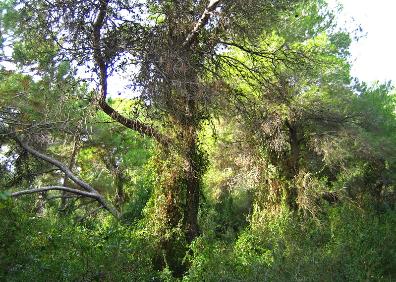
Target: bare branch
x,y
248,50
203,20
59,188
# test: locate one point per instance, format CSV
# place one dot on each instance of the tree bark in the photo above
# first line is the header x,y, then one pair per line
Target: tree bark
x,y
292,167
193,181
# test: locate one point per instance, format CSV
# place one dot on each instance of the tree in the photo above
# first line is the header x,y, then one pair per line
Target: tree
x,y
171,46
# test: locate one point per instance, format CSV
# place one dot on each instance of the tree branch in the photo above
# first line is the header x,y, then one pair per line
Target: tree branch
x,y
59,188
136,125
203,20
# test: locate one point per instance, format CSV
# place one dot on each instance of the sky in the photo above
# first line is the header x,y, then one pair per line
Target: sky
x,y
374,55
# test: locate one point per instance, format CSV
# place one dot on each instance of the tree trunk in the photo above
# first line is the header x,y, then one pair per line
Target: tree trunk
x,y
194,163
292,167
193,179
182,203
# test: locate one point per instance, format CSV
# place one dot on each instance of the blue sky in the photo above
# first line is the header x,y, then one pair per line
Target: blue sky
x,y
373,56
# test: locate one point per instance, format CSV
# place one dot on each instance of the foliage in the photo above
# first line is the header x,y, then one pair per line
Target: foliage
x,y
343,246
51,248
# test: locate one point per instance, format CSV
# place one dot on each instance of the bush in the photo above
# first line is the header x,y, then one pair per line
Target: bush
x,y
58,249
346,244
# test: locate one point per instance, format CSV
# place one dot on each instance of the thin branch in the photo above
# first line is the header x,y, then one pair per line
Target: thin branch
x,y
203,20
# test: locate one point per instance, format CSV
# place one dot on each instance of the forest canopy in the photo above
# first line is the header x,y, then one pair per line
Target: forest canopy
x,y
194,140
